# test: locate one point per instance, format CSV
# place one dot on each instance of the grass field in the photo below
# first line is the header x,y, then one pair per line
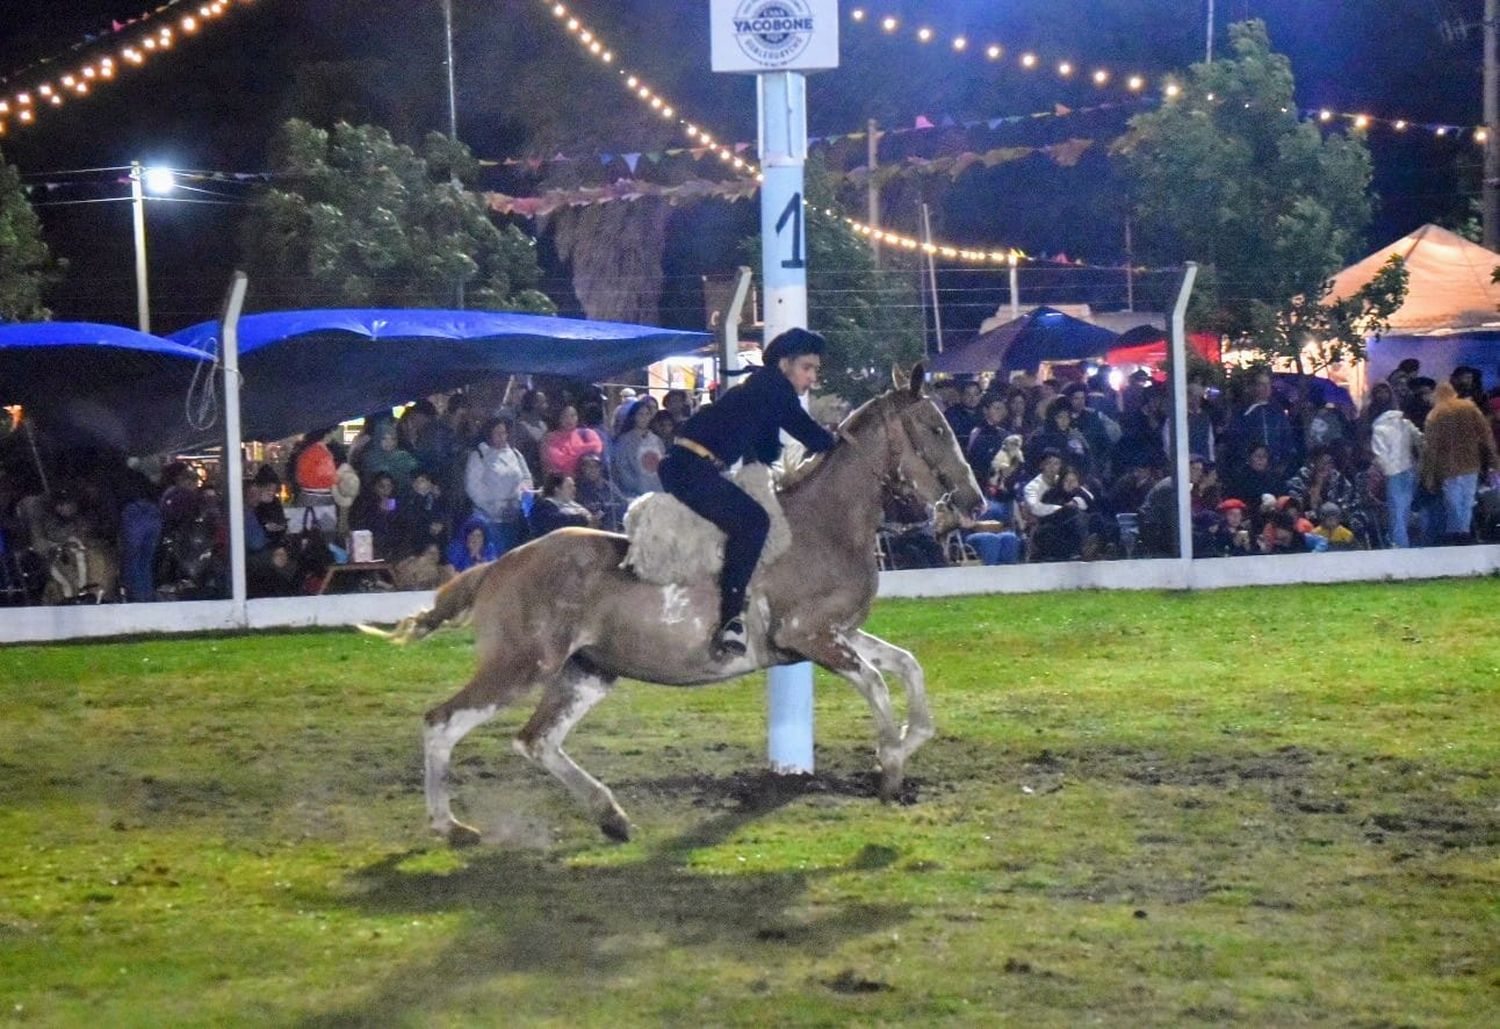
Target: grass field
x,y
1271,806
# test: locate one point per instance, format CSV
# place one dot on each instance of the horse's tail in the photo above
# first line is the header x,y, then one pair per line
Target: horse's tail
x,y
453,602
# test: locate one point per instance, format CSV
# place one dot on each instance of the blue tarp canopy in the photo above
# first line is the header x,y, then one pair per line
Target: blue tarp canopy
x,y
1044,334
97,384
304,369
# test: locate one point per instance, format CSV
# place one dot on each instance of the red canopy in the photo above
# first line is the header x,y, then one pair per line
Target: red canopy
x,y
1154,352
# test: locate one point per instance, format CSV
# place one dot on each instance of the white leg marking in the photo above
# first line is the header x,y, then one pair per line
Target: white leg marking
x,y
438,742
894,660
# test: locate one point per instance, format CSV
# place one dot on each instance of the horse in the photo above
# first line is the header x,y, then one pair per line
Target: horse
x,y
561,614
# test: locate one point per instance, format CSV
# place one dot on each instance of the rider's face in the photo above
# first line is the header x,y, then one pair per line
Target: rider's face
x,y
801,371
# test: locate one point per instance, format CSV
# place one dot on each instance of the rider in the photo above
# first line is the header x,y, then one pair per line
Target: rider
x,y
744,424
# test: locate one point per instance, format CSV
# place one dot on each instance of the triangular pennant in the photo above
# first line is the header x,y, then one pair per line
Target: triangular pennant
x,y
923,123
948,121
606,158
631,160
740,148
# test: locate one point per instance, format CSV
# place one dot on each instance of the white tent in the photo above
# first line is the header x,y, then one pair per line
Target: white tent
x,y
1449,286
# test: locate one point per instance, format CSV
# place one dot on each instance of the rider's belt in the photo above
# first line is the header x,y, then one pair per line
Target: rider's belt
x,y
692,446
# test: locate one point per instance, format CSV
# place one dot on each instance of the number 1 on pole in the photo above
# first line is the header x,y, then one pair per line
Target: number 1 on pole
x,y
793,213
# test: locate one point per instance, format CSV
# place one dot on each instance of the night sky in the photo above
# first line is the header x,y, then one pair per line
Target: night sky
x,y
525,90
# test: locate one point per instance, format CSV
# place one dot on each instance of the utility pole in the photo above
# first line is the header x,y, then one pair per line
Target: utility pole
x,y
1490,192
138,222
458,289
872,139
1209,59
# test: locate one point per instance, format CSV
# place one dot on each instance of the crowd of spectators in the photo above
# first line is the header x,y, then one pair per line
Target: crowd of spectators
x,y
1070,471
1079,471
422,495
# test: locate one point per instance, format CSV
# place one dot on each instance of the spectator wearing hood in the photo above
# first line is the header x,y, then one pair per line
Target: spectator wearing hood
x,y
385,455
471,545
1457,449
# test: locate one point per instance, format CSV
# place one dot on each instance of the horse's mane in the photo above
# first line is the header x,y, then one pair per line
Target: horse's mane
x,y
853,425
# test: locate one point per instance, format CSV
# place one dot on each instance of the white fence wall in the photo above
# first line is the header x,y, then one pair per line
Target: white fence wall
x,y
47,624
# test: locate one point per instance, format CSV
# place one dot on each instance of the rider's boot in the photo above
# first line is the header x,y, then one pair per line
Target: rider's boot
x,y
731,639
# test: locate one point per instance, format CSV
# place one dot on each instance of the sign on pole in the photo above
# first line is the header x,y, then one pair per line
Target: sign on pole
x,y
774,35
778,40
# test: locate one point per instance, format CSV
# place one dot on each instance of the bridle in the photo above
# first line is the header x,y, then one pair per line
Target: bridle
x,y
895,483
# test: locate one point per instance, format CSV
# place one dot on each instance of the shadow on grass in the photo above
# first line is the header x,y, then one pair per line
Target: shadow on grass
x,y
528,912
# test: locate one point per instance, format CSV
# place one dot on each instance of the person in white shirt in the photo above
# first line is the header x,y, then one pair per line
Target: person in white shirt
x,y
1396,443
496,478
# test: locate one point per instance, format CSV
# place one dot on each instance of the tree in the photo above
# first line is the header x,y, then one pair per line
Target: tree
x,y
872,318
1227,175
26,264
354,218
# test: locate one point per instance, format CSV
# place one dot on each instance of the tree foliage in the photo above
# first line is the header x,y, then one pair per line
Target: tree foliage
x,y
354,218
872,318
1227,175
26,263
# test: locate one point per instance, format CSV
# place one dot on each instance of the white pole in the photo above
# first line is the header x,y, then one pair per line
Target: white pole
x,y
1209,58
138,218
732,361
1015,287
937,315
782,101
234,463
1180,415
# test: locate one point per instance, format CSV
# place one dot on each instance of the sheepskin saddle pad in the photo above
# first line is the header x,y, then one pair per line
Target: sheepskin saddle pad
x,y
671,544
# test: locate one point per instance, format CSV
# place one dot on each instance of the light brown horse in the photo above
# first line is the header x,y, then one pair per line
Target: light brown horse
x,y
560,613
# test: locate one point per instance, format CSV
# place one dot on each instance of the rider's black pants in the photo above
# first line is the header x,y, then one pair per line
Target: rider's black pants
x,y
697,482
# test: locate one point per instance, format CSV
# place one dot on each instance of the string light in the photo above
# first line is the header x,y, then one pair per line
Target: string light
x,y
994,51
148,41
635,84
1136,82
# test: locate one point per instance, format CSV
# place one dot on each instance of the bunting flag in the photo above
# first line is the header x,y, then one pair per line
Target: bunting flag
x,y
922,123
1065,155
622,190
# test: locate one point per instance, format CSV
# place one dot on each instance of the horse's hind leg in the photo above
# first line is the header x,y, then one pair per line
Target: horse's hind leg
x,y
493,686
563,705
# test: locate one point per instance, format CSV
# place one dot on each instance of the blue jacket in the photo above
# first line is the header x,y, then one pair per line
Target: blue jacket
x,y
746,422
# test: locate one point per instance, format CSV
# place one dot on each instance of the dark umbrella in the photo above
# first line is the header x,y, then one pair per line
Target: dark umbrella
x,y
1044,334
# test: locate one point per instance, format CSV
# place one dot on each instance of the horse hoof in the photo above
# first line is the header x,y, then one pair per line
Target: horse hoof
x,y
460,836
890,787
616,827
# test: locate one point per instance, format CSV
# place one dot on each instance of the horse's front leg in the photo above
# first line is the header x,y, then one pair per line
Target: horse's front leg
x,y
891,659
841,654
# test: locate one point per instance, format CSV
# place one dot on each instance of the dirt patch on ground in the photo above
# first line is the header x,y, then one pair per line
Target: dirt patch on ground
x,y
762,790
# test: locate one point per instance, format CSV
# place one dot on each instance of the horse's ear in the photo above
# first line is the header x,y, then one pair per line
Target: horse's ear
x,y
918,376
898,377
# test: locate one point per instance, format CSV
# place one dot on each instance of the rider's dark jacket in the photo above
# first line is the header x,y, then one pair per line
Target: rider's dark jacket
x,y
746,422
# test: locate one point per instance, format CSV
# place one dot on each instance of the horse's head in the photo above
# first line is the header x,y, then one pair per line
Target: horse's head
x,y
926,459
